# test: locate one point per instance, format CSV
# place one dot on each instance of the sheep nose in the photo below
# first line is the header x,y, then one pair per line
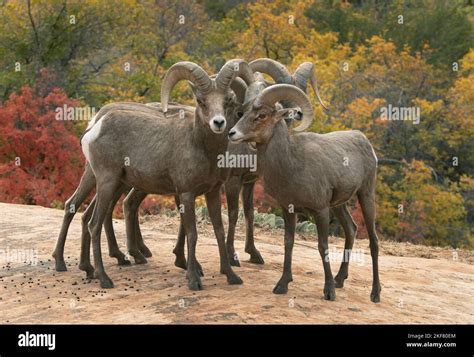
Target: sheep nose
x,y
232,133
219,122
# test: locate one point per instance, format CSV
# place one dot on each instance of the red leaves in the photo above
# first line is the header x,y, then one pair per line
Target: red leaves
x,y
40,157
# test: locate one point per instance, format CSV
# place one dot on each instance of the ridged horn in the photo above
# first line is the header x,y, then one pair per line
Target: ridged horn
x,y
279,92
274,69
240,88
184,71
304,73
232,69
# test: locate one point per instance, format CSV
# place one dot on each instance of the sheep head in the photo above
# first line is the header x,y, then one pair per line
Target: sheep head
x,y
258,122
255,88
212,95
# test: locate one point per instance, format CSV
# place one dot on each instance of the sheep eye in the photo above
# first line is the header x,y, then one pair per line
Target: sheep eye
x,y
239,114
201,103
261,116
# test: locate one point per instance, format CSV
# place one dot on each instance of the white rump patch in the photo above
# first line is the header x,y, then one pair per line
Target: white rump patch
x,y
92,122
89,137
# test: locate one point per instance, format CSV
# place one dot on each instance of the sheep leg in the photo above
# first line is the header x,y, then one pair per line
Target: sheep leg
x,y
367,203
232,190
114,250
350,231
247,198
322,223
106,187
130,208
86,185
213,201
178,250
287,277
85,262
138,236
188,217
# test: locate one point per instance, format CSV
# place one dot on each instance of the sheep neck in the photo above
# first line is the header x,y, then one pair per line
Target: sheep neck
x,y
276,159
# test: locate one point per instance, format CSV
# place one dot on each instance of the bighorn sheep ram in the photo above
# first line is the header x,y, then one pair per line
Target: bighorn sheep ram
x,y
174,157
243,179
87,184
312,172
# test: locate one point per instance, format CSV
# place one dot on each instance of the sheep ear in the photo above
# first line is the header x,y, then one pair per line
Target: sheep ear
x,y
289,114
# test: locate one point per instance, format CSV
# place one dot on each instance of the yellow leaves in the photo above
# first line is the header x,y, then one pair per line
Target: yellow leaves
x,y
428,108
279,30
416,208
466,183
359,112
417,173
461,97
379,50
467,63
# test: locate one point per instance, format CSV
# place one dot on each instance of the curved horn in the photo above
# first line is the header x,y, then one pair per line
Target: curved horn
x,y
181,71
303,73
240,88
278,92
232,69
274,69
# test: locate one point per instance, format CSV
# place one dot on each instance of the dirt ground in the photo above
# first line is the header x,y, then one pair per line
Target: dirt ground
x,y
419,284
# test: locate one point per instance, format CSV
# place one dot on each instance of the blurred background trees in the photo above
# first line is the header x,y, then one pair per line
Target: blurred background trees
x,y
368,54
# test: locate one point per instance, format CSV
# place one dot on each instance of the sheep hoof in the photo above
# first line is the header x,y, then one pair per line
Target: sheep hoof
x,y
121,260
106,282
329,292
339,279
61,265
234,279
145,251
194,283
339,282
180,262
375,294
280,289
256,258
139,258
88,268
234,262
375,297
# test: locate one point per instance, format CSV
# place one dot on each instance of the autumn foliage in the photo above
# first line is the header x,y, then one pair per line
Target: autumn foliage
x,y
40,157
